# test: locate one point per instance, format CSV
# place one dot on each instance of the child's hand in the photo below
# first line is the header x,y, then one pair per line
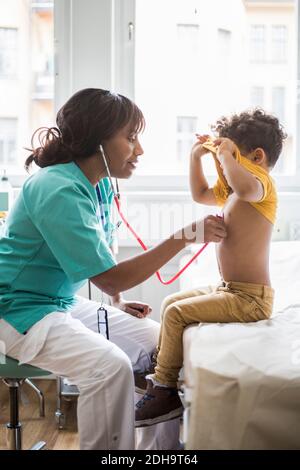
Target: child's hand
x,y
197,149
225,145
202,138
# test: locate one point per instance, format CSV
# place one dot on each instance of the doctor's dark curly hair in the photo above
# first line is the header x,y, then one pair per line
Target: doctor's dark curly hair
x,y
88,118
251,130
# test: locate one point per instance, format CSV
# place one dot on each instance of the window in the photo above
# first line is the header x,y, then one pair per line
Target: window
x,y
223,53
196,67
257,96
8,142
278,103
224,44
257,43
279,43
188,39
188,55
8,52
26,63
186,128
171,62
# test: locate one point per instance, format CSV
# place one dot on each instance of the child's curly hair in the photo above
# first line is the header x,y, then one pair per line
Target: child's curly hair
x,y
253,129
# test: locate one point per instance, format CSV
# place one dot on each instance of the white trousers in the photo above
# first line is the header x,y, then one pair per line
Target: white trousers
x,y
69,345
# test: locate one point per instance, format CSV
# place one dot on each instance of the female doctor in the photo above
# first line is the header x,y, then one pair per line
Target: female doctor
x,y
56,237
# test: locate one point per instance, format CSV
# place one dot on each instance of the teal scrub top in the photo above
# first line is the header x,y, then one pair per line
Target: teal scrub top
x,y
53,241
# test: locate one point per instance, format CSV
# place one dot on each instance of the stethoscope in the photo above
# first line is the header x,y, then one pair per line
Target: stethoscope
x,y
116,197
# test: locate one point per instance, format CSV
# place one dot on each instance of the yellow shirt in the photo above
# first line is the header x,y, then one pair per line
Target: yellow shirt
x,y
267,206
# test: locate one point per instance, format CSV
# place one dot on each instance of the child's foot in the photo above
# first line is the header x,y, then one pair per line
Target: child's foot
x,y
157,405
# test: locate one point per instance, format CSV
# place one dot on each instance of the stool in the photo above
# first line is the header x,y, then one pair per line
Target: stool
x,y
13,375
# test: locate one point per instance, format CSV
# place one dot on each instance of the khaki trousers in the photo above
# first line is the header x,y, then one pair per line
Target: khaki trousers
x,y
228,302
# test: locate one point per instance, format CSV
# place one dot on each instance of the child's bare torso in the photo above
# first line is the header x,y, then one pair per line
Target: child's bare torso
x,y
244,255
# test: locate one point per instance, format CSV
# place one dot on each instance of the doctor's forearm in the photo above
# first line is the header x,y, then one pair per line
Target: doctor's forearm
x,y
133,271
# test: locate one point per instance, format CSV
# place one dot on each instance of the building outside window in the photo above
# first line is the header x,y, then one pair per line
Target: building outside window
x,y
188,39
279,43
224,44
8,142
258,43
206,65
186,129
185,68
8,52
188,55
257,96
26,76
278,102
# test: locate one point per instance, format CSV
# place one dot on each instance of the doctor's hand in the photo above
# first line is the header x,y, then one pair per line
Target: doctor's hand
x,y
136,309
214,229
209,229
